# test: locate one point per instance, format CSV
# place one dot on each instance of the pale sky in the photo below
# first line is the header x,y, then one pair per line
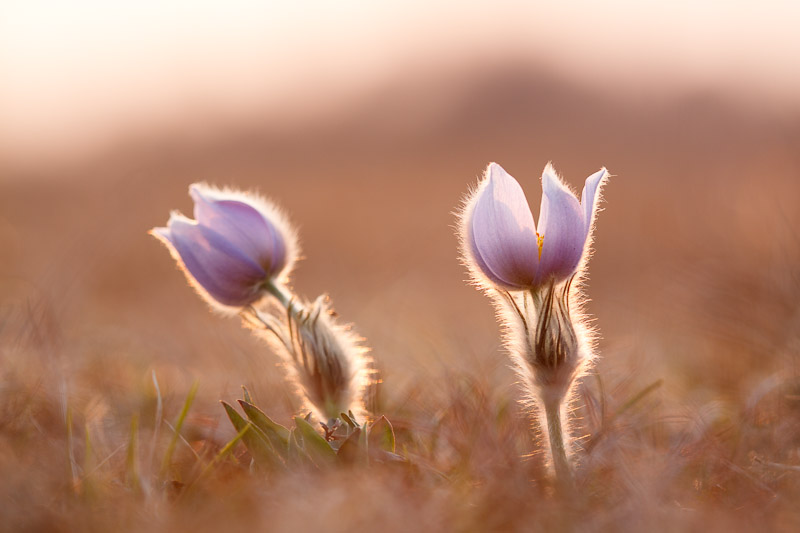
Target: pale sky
x,y
75,74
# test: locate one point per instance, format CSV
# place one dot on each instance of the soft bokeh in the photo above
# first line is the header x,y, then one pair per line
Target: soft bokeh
x,y
368,122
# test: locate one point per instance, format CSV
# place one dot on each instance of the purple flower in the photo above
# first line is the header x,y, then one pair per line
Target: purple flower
x,y
236,245
502,242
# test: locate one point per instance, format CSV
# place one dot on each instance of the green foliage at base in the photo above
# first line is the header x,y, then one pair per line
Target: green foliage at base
x,y
343,441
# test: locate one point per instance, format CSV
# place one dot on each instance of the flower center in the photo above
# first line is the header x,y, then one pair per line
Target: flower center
x,y
540,243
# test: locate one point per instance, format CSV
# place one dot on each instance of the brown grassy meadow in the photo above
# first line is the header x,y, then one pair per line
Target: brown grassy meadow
x,y
691,420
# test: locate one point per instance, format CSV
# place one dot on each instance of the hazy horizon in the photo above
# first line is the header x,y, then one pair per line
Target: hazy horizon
x,y
82,76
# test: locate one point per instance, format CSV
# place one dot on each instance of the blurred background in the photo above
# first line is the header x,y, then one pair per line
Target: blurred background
x,y
368,122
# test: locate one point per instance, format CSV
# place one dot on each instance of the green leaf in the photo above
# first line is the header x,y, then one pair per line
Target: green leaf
x,y
277,434
256,442
381,435
350,422
352,416
246,395
314,444
296,455
351,450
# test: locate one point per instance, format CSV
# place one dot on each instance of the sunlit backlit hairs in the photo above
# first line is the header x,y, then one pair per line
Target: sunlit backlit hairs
x,y
238,253
533,276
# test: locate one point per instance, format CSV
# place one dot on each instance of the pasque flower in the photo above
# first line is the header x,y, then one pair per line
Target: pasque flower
x,y
529,272
504,242
235,246
240,248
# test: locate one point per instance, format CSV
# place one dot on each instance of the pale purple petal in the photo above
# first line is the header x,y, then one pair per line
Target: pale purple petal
x,y
589,196
503,233
220,268
163,234
562,228
244,226
482,266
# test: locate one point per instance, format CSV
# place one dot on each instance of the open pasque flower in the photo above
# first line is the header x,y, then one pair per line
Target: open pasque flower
x,y
237,244
528,270
504,242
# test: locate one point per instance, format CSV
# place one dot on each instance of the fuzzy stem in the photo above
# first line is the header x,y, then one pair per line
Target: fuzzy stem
x,y
558,450
279,292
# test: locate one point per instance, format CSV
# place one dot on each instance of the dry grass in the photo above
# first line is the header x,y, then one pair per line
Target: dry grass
x,y
691,422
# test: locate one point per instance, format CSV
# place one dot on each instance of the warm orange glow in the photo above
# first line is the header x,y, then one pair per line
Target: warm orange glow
x,y
368,123
77,75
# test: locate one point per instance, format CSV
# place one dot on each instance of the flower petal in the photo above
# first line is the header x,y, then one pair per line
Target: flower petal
x,y
218,267
503,233
242,225
562,228
589,196
480,263
163,234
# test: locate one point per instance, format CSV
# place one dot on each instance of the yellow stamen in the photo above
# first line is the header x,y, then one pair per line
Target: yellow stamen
x,y
540,242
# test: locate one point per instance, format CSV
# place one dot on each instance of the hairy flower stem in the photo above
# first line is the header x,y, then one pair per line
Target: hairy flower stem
x,y
558,450
278,292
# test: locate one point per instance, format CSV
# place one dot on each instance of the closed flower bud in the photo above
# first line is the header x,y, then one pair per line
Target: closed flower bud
x,y
235,248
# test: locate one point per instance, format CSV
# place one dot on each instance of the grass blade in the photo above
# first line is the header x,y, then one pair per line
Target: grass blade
x,y
73,470
178,425
132,457
223,452
157,424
